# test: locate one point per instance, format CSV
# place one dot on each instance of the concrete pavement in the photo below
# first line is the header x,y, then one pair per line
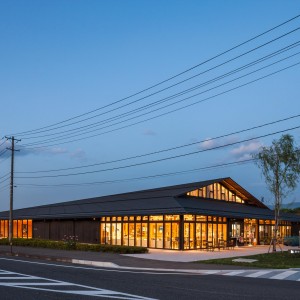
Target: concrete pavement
x,y
197,255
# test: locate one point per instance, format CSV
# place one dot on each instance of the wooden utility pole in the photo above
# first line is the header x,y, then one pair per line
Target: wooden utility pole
x,y
11,200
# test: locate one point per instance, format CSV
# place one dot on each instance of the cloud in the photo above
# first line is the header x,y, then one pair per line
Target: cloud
x,y
78,154
149,132
208,143
42,151
246,150
211,143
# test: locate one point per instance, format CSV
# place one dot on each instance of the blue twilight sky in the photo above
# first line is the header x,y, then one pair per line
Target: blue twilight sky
x,y
61,59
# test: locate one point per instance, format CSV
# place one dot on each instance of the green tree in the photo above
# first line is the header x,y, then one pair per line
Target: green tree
x,y
280,165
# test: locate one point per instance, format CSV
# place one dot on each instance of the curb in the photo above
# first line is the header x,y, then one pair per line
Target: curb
x,y
95,263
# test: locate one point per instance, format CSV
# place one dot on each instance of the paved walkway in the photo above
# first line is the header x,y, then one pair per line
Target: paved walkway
x,y
197,255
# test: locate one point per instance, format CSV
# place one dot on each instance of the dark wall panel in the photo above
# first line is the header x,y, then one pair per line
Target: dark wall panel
x,y
295,229
61,228
40,230
87,231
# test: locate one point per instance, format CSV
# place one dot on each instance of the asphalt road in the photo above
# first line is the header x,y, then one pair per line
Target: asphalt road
x,y
33,279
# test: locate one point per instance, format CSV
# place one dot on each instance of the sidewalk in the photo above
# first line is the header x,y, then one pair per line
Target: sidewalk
x,y
156,258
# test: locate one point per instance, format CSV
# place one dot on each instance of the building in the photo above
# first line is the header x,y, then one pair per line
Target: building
x,y
188,216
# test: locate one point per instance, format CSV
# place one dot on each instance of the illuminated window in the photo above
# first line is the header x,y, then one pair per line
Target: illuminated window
x,y
156,218
201,218
171,217
189,217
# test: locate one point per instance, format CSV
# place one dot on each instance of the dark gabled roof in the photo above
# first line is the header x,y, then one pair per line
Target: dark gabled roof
x,y
165,200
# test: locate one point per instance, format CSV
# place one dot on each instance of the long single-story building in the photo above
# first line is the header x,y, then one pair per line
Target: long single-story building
x,y
187,216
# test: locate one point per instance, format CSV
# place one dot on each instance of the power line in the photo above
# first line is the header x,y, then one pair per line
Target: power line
x,y
4,188
210,69
96,124
3,142
7,174
157,160
164,81
4,179
165,150
3,160
27,146
3,152
139,178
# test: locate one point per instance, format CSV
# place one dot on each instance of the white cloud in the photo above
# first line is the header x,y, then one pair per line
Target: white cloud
x,y
149,132
211,143
208,143
78,154
245,150
42,151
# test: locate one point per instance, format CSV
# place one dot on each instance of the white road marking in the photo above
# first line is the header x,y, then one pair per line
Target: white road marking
x,y
259,273
50,285
12,278
284,275
17,284
234,273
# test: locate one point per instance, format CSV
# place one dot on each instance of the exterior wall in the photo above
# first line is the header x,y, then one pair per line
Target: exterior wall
x,y
60,229
178,232
41,230
86,231
296,229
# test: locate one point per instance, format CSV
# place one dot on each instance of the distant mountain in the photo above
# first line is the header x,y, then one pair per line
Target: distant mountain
x,y
291,205
287,205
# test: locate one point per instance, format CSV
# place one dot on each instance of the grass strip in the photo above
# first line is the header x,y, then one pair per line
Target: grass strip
x,y
276,260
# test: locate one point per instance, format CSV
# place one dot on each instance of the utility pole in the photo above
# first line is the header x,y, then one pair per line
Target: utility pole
x,y
11,201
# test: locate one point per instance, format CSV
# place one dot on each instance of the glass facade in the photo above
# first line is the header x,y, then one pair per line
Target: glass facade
x,y
216,191
267,227
197,231
160,232
21,229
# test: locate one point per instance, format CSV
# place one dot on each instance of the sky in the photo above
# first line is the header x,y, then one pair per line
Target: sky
x,y
115,96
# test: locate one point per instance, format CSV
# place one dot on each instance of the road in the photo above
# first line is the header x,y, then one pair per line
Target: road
x,y
33,279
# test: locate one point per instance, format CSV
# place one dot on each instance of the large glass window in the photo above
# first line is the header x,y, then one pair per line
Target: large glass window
x,y
152,235
216,191
168,236
175,235
144,235
160,234
131,233
21,229
102,233
125,234
138,238
189,235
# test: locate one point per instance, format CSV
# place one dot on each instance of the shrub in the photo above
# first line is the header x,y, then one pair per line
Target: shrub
x,y
70,243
